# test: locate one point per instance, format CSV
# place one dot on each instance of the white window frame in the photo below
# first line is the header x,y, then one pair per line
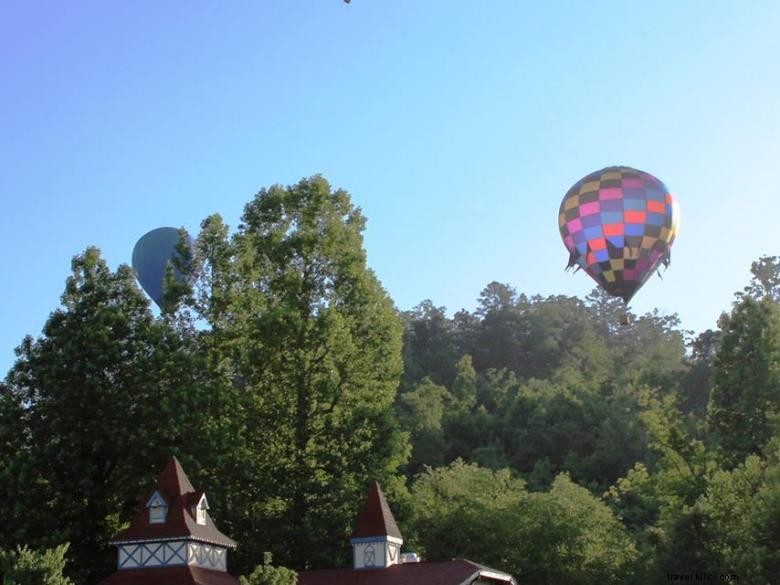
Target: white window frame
x,y
200,510
158,509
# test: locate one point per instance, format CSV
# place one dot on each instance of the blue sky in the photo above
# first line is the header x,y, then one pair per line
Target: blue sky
x,y
457,126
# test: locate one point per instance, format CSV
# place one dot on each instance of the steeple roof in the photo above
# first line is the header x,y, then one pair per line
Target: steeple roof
x,y
181,521
173,480
375,518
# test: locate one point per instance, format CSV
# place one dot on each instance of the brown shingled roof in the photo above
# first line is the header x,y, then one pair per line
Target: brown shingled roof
x,y
376,519
455,572
174,485
184,575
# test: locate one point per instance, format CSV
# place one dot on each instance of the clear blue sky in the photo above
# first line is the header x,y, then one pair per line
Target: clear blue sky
x,y
457,126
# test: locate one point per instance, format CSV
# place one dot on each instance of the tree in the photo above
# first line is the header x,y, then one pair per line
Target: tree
x,y
303,331
745,403
458,512
99,401
267,574
561,536
741,510
421,412
696,384
765,282
659,505
24,566
464,387
497,342
569,536
429,346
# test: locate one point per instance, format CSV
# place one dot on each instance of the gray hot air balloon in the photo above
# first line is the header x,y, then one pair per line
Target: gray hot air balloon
x,y
150,258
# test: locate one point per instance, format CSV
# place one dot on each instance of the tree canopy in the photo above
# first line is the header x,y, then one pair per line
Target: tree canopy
x,y
538,435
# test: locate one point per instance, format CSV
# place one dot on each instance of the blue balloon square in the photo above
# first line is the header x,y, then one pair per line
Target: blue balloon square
x,y
611,217
593,232
655,219
634,204
635,229
611,205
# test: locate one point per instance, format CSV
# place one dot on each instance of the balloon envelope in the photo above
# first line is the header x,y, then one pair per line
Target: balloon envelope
x,y
618,225
150,259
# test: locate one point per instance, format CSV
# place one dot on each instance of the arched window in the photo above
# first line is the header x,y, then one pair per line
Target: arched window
x,y
158,509
200,510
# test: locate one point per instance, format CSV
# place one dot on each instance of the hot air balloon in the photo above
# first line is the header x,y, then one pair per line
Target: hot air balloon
x,y
150,259
618,225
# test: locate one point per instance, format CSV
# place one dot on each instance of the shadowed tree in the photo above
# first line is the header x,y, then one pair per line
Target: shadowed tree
x,y
99,400
745,403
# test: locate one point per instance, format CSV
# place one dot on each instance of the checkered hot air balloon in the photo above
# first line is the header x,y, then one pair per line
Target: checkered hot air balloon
x,y
618,225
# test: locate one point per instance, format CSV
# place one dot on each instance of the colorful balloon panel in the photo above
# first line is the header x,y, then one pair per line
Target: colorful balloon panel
x,y
150,259
618,225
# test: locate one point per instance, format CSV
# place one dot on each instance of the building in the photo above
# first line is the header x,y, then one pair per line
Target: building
x,y
172,540
377,558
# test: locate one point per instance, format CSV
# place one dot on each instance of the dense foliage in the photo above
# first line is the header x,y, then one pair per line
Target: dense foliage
x,y
267,574
23,566
534,434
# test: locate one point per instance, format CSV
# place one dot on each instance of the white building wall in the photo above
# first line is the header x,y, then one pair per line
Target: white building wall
x,y
207,556
152,554
364,552
384,552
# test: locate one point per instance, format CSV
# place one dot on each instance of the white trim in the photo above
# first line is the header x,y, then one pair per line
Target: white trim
x,y
496,575
187,537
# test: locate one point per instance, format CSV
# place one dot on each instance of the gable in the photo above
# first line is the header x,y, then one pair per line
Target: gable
x,y
156,500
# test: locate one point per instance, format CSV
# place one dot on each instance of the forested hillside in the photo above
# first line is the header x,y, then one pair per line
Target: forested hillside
x,y
536,435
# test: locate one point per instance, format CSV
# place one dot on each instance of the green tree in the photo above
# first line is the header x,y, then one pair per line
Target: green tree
x,y
421,412
742,510
267,574
303,331
456,509
569,536
765,282
99,401
429,346
659,505
498,338
562,536
745,403
696,384
24,566
464,387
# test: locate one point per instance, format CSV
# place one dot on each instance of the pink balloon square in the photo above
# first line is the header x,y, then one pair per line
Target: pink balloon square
x,y
574,225
610,193
589,208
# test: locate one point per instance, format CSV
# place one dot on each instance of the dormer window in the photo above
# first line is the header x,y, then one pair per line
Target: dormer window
x,y
158,509
200,510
